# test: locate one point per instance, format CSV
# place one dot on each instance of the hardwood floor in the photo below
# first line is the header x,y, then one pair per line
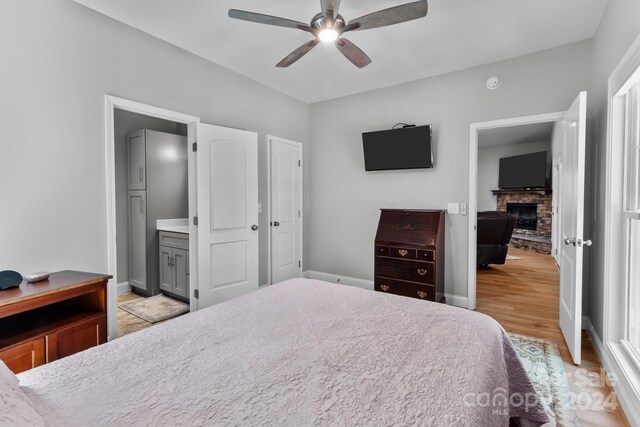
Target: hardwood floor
x,y
127,322
523,295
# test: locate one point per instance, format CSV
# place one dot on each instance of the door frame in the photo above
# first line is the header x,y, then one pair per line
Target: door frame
x,y
111,104
269,204
472,211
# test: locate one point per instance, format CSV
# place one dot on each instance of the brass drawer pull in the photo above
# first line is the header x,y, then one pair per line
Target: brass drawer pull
x,y
422,271
403,252
422,294
385,288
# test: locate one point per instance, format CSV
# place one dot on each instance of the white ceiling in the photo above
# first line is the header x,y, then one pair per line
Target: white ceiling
x,y
456,34
538,132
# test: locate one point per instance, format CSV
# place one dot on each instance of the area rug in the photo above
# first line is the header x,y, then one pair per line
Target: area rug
x,y
541,358
513,258
155,309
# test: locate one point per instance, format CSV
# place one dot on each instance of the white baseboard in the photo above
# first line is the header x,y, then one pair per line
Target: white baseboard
x,y
124,288
457,301
454,300
626,395
334,278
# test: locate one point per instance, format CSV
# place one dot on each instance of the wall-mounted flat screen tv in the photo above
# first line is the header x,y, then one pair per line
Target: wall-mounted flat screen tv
x,y
405,148
525,171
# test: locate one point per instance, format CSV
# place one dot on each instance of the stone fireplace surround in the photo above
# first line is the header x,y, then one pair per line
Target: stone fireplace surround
x,y
538,240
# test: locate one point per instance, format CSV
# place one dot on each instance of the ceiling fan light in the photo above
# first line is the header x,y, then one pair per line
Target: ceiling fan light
x,y
328,35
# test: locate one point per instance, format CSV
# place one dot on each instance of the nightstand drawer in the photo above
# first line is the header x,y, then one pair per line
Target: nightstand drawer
x,y
413,271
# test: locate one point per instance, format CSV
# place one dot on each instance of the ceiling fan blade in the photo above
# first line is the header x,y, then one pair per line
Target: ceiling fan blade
x,y
298,53
393,15
353,53
330,7
267,19
350,27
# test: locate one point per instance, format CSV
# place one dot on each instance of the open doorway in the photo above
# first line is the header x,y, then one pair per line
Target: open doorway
x,y
517,200
512,140
150,196
152,210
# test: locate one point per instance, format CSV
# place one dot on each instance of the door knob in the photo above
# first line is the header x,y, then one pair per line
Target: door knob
x,y
254,227
276,224
568,241
584,242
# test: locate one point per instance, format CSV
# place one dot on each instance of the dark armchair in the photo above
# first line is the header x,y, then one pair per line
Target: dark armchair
x,y
494,233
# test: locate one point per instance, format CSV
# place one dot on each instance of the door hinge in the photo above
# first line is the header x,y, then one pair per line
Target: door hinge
x,y
195,220
299,163
299,214
196,294
195,146
299,263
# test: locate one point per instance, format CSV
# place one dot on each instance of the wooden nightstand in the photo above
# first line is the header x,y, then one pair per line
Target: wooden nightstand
x,y
45,321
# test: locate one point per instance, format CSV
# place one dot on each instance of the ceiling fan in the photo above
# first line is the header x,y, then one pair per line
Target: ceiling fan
x,y
328,26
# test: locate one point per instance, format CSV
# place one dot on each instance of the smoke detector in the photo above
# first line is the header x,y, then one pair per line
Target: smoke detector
x,y
493,83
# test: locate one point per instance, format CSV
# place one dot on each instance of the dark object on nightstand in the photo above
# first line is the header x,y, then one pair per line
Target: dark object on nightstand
x,y
494,233
9,279
409,254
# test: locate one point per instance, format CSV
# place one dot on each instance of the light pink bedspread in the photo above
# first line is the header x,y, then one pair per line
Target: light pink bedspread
x,y
299,353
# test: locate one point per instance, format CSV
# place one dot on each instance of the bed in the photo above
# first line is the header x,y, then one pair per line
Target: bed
x,y
299,353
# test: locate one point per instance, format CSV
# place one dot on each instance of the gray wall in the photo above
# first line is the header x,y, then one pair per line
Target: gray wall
x,y
126,122
489,167
343,211
617,31
59,59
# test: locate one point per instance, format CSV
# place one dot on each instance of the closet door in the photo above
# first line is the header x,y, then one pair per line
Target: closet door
x,y
227,181
138,239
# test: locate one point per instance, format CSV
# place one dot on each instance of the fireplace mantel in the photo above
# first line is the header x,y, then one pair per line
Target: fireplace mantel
x,y
540,191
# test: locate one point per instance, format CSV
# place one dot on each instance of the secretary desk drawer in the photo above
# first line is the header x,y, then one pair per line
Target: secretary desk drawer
x,y
404,253
414,290
427,255
413,271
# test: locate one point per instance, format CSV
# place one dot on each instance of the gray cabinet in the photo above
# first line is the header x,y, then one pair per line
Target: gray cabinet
x,y
137,207
136,160
157,179
174,263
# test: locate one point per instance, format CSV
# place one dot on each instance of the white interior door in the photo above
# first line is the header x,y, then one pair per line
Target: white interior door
x,y
572,222
285,159
227,181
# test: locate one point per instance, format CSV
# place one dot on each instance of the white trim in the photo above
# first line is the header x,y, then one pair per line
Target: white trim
x,y
625,70
112,103
336,278
610,349
629,400
269,204
474,128
124,288
454,300
457,300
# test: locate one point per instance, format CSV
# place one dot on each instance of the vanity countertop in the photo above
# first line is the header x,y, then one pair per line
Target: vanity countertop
x,y
180,225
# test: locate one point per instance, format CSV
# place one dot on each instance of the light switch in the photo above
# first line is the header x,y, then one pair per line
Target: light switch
x,y
453,208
